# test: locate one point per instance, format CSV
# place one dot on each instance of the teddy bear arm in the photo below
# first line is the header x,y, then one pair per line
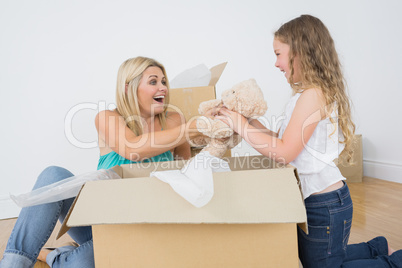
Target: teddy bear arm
x,y
208,105
216,148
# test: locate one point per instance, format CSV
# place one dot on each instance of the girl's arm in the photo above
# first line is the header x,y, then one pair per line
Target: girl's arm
x,y
113,131
306,115
254,122
257,124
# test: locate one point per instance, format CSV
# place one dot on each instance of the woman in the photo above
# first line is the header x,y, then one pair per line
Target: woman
x,y
139,129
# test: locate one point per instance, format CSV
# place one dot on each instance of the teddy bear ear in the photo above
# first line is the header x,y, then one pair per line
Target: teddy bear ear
x,y
256,96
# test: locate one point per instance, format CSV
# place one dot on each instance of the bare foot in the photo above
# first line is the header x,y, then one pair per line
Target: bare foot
x,y
390,250
43,254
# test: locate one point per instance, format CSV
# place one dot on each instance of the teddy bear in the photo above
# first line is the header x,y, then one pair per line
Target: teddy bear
x,y
245,98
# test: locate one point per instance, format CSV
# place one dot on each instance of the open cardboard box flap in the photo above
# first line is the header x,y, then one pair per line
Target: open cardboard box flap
x,y
255,191
216,73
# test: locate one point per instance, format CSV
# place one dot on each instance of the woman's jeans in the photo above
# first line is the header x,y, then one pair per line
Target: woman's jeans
x,y
329,218
34,226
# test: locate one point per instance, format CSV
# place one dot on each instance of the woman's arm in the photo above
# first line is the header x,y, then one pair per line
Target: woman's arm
x,y
306,115
174,119
113,131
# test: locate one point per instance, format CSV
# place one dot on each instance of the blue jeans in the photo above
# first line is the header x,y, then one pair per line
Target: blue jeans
x,y
329,218
34,226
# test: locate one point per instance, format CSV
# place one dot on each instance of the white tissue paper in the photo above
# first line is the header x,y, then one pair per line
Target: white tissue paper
x,y
63,189
194,182
198,76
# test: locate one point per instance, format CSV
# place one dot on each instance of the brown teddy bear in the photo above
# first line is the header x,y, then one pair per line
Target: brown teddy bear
x,y
245,98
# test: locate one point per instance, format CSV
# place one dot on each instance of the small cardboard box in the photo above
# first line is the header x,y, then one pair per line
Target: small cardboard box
x,y
353,172
186,100
140,221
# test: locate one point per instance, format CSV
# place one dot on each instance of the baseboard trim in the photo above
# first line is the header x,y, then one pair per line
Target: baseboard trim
x,y
8,209
381,170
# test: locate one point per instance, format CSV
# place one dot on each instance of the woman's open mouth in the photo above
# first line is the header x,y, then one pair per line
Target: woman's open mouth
x,y
159,99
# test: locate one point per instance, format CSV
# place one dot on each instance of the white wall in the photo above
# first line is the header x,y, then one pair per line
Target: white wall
x,y
59,57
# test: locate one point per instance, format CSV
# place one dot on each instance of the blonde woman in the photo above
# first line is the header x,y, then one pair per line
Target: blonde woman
x,y
139,130
317,127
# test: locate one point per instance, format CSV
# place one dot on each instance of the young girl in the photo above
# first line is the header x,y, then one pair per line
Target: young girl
x,y
139,129
317,127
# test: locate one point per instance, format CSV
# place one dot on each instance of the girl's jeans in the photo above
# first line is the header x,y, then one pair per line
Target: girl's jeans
x,y
329,218
34,226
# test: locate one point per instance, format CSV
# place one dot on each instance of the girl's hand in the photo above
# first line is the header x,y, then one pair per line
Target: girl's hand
x,y
234,120
211,113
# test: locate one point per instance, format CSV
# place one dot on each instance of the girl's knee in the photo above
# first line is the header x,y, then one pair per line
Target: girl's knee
x,y
51,175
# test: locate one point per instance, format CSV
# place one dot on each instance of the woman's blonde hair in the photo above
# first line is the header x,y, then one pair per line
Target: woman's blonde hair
x,y
310,40
130,74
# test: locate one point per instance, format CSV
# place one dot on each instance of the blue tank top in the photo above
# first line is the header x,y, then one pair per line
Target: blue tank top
x,y
113,159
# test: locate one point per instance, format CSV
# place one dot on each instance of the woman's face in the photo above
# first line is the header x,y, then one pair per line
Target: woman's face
x,y
281,51
152,91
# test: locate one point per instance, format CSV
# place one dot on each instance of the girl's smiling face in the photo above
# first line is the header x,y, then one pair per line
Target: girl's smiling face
x,y
281,51
152,91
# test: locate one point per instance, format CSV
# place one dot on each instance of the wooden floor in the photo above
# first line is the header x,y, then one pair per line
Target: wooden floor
x,y
377,211
377,208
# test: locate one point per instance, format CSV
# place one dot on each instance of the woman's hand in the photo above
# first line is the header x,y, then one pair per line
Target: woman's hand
x,y
234,120
191,131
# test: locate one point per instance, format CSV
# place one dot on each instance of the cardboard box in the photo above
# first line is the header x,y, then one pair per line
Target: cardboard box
x,y
187,100
196,150
140,221
353,172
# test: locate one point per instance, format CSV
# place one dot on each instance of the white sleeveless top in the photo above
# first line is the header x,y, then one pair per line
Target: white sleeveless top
x,y
315,163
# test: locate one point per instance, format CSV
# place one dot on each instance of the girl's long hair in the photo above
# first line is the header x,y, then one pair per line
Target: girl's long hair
x,y
130,74
310,40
